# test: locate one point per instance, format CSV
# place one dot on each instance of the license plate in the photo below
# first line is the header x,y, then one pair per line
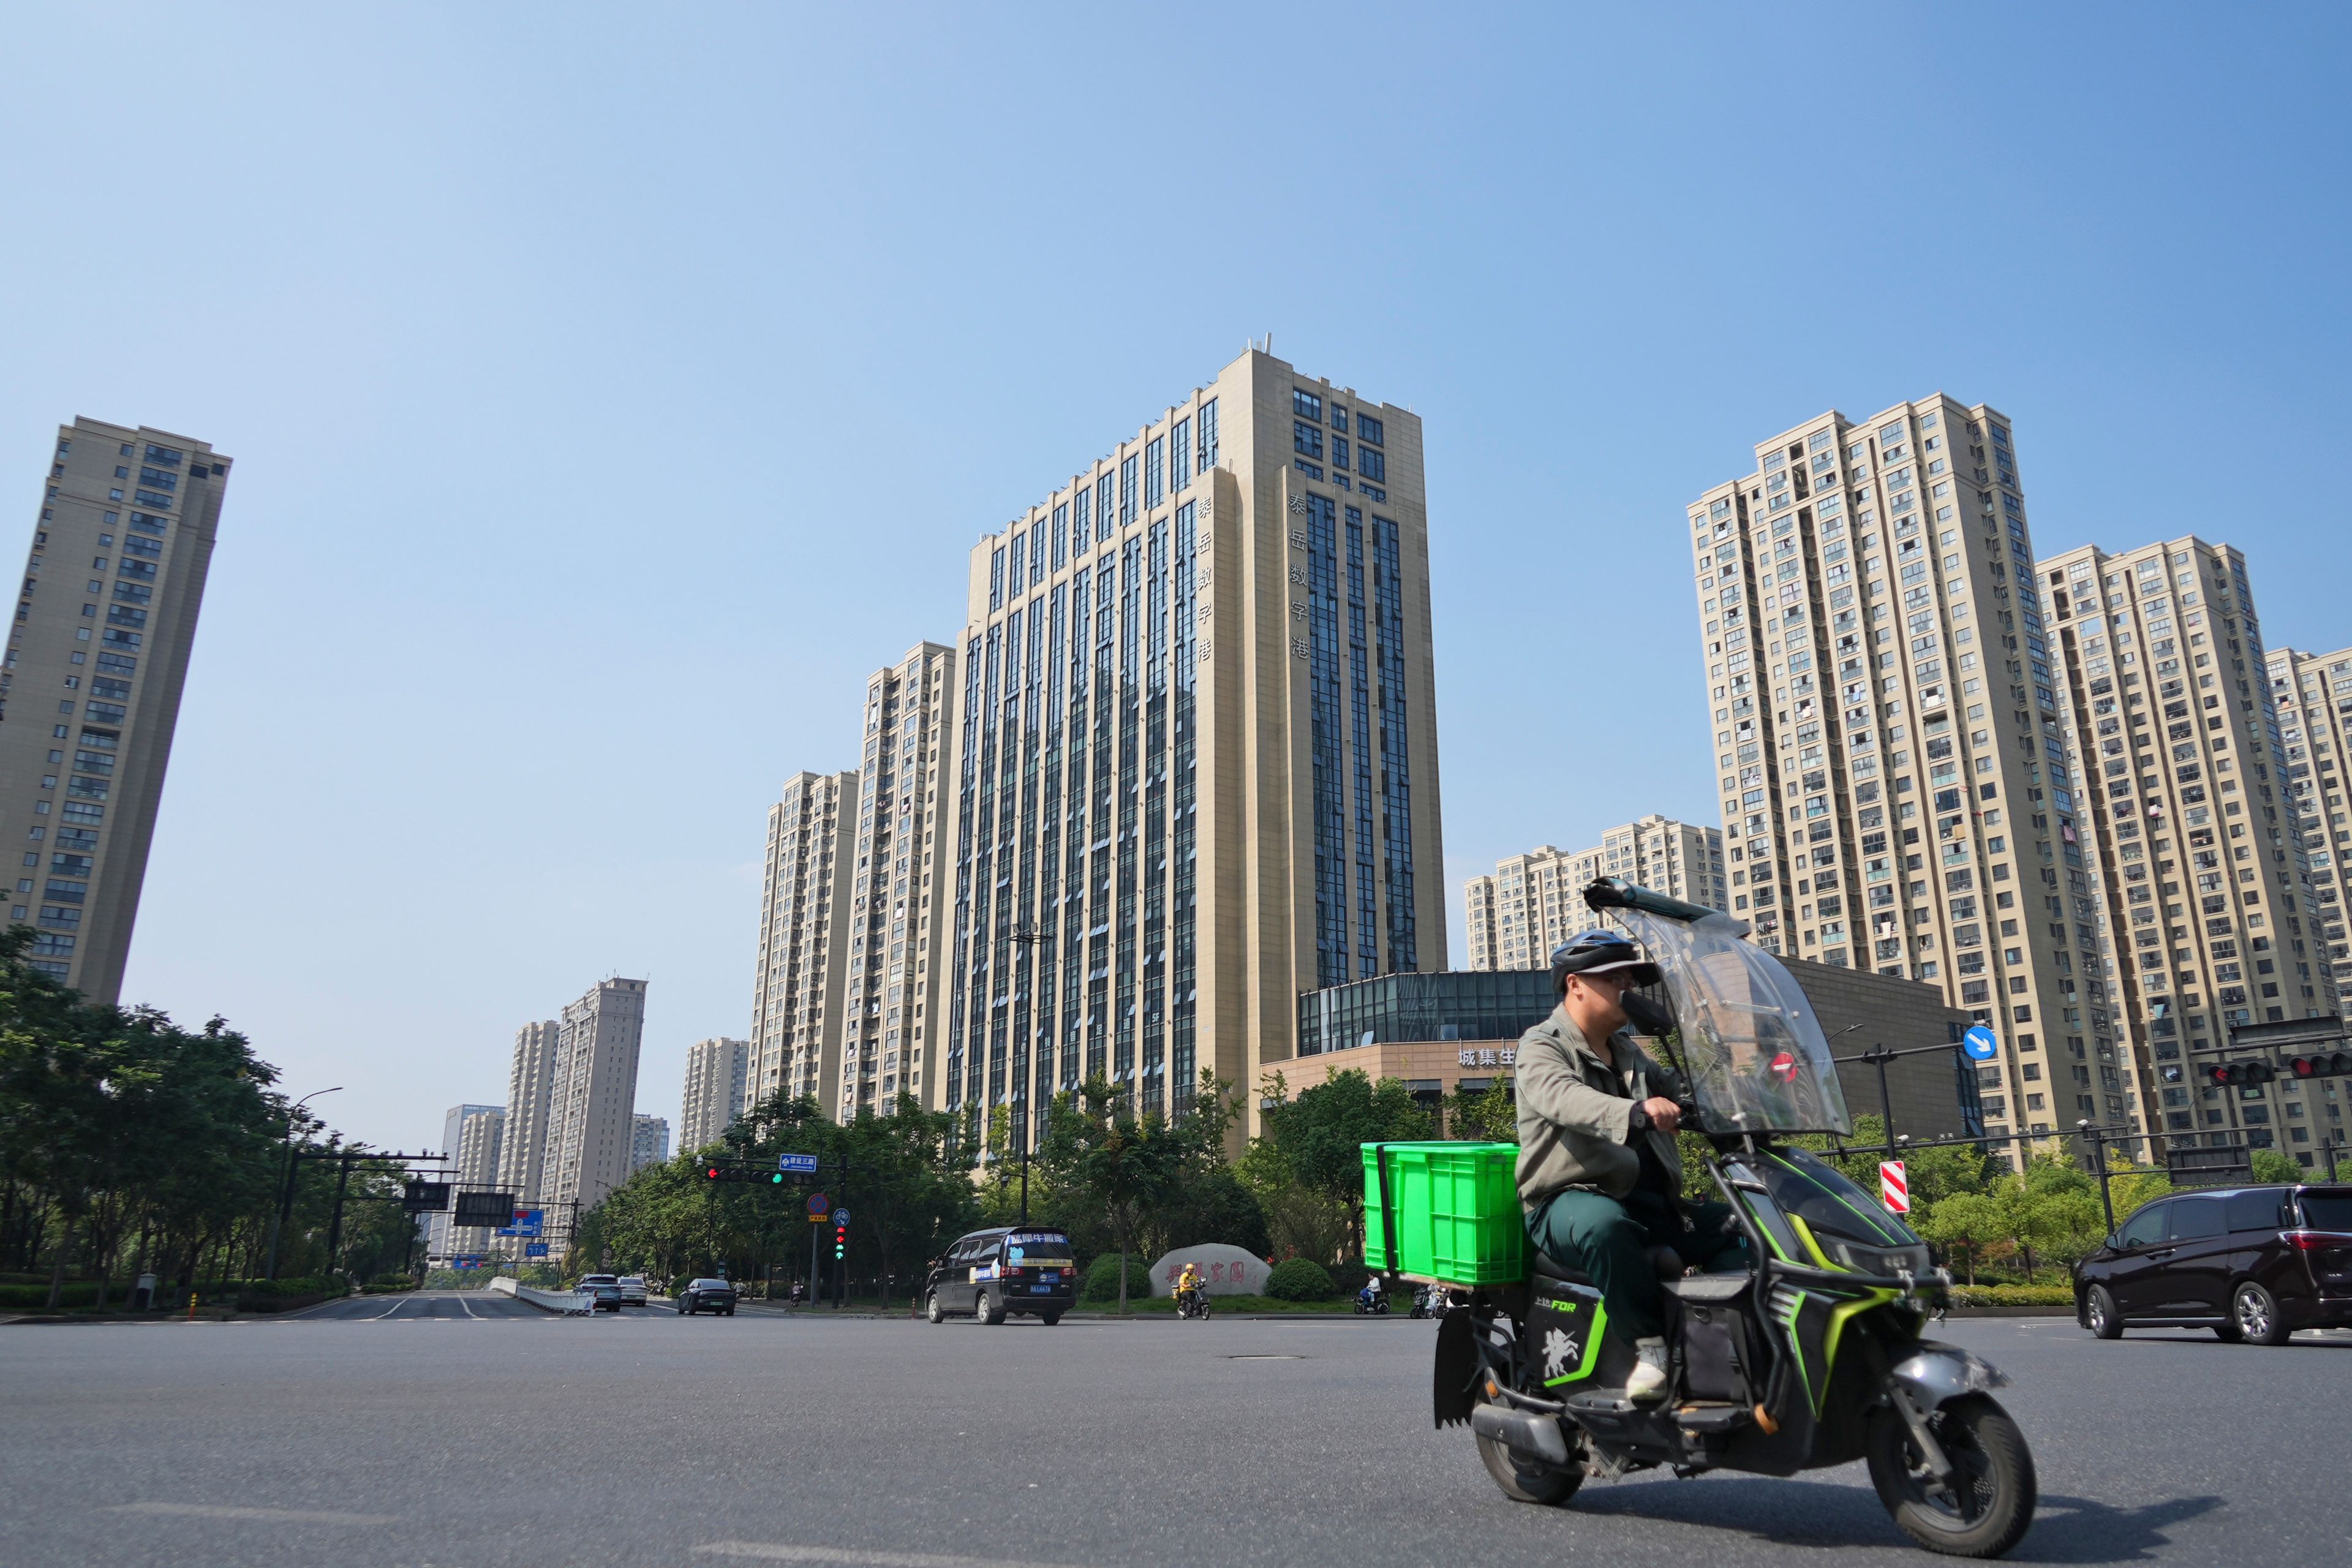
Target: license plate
x,y
1041,1289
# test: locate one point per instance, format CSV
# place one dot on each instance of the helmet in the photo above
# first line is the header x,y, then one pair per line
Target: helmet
x,y
1600,951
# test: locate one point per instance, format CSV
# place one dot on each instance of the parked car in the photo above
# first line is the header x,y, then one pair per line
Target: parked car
x,y
2254,1263
706,1295
1011,1270
633,1289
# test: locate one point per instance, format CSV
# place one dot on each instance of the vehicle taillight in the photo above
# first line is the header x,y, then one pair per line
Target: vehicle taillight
x,y
2311,1240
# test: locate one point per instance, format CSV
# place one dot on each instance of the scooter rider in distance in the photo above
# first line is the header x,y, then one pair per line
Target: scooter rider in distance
x,y
1600,1178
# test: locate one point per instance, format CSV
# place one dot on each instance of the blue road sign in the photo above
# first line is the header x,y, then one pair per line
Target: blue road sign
x,y
841,1217
804,1163
1979,1043
534,1250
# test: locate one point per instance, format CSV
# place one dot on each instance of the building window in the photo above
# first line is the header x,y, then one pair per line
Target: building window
x,y
1306,405
1307,439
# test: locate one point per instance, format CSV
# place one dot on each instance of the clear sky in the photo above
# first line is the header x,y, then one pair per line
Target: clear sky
x,y
612,387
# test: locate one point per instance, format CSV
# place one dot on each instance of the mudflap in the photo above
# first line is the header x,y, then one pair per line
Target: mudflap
x,y
1454,1373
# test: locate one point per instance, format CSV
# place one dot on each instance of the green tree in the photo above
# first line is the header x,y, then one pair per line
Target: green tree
x,y
2274,1165
1316,1140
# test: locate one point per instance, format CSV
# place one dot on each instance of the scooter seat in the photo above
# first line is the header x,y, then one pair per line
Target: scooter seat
x,y
1664,1263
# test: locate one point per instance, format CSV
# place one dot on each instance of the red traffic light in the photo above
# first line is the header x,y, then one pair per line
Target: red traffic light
x,y
2326,1064
2243,1072
711,1172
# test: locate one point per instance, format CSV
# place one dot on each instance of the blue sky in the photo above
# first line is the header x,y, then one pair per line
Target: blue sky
x,y
576,359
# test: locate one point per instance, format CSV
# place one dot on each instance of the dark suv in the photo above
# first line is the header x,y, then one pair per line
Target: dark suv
x,y
2254,1263
990,1273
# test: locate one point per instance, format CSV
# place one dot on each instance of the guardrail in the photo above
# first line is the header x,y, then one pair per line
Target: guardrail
x,y
569,1303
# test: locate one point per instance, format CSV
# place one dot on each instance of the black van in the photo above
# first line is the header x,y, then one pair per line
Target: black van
x,y
992,1274
2250,1263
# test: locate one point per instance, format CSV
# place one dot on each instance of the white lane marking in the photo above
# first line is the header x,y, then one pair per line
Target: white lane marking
x,y
773,1552
380,1317
223,1510
469,1308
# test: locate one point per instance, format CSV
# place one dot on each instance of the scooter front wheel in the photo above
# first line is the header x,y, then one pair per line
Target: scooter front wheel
x,y
1988,1504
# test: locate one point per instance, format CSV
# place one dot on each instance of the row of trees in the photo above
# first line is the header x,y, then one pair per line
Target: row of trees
x,y
130,1144
1119,1183
1137,1187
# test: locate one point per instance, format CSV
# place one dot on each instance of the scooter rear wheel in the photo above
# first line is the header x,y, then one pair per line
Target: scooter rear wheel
x,y
1523,1481
1990,1506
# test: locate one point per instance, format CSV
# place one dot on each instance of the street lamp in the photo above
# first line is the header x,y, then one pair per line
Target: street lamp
x,y
286,1198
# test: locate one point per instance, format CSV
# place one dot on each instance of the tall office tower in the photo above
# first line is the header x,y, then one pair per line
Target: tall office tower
x,y
104,637
590,1131
531,1087
798,990
898,892
2314,692
1869,626
1534,901
476,1148
717,1074
1196,771
648,1141
439,1241
2174,739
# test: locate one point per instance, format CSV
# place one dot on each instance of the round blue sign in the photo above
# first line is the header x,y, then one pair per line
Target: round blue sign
x,y
1979,1043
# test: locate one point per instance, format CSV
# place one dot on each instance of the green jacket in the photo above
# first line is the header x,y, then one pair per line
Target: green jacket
x,y
1575,1113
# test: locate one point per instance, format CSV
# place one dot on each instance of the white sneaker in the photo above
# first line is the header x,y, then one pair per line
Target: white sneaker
x,y
1648,1382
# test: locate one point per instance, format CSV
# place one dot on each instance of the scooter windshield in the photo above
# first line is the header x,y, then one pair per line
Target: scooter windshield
x,y
1755,1052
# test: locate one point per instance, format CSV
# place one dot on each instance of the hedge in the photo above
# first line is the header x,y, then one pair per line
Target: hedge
x,y
1101,1283
2012,1296
1300,1280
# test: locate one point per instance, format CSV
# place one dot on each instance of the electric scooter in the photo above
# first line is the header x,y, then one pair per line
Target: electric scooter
x,y
1813,1355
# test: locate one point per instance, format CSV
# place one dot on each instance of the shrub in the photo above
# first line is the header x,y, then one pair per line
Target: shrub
x,y
2012,1296
1102,1279
1300,1280
1348,1278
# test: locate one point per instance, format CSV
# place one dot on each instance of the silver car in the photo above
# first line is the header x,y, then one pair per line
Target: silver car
x,y
633,1290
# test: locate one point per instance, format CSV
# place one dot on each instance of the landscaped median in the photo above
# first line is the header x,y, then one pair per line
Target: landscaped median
x,y
2013,1302
1224,1306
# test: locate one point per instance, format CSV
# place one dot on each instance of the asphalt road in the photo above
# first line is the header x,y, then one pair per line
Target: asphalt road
x,y
440,1430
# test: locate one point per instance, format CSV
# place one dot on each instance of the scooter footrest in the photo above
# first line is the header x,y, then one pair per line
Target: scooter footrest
x,y
1709,1417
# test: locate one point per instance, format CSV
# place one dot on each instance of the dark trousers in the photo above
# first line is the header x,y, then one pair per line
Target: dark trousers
x,y
1609,1240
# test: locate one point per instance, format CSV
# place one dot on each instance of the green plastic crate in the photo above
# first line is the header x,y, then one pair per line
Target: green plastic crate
x,y
1452,1210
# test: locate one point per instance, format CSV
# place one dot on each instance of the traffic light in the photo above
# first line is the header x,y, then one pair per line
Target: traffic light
x,y
2235,1073
775,1178
711,1174
2326,1064
840,1241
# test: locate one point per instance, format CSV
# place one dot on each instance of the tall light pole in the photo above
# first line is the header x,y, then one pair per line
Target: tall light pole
x,y
285,1196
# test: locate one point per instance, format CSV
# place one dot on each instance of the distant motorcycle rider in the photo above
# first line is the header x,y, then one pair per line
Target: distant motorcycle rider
x,y
1600,1178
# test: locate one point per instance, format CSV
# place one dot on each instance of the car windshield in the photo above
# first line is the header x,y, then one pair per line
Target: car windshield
x,y
2327,1211
597,1279
1035,1248
1746,1034
709,1285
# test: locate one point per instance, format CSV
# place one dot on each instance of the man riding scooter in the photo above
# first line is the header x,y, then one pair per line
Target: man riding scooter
x,y
1600,1178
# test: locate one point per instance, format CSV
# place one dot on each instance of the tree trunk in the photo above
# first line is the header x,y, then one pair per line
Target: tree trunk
x,y
57,1270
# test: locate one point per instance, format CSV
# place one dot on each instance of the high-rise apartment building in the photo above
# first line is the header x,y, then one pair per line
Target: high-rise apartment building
x,y
90,687
717,1072
648,1141
440,1240
2173,742
477,1147
1534,901
897,884
1195,773
799,990
590,1129
2314,692
530,1090
1885,727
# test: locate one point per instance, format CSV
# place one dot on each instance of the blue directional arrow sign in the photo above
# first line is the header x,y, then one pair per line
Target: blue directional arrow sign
x,y
1979,1043
805,1164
